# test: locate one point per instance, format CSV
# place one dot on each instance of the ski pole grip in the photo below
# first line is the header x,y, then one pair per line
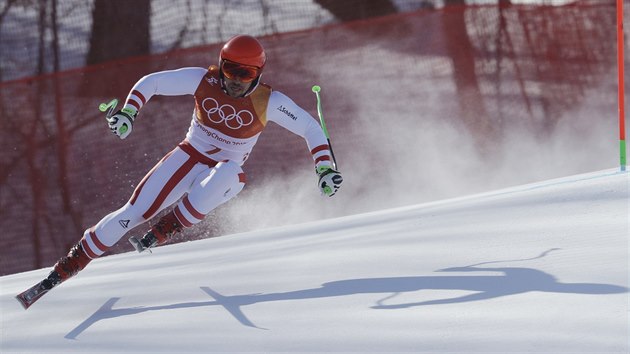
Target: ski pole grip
x,y
109,107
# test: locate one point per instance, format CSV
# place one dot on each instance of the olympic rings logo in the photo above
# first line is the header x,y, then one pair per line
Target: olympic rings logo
x,y
226,114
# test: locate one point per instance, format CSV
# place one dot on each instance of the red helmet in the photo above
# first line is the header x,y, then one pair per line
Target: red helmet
x,y
244,49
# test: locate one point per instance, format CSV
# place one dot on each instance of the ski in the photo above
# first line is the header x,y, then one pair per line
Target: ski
x,y
137,244
34,293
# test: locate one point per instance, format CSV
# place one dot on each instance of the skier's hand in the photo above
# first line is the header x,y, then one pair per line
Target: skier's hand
x,y
121,122
329,180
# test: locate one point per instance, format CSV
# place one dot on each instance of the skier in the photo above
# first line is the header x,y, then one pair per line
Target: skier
x,y
232,107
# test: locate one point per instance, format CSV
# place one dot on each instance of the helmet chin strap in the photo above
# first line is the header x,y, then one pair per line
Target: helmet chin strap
x,y
251,88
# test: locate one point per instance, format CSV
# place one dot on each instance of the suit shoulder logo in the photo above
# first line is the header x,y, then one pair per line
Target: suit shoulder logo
x,y
212,80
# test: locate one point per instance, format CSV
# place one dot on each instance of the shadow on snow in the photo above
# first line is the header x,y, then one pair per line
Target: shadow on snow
x,y
511,281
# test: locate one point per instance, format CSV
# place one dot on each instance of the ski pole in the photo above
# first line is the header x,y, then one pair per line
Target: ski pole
x,y
316,89
109,107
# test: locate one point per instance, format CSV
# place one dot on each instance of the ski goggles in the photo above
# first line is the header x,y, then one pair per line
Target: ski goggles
x,y
240,72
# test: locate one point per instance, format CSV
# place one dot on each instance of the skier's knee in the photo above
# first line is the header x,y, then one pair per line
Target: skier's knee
x,y
223,183
226,177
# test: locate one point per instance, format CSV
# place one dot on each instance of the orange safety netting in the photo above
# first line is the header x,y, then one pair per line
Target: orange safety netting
x,y
483,70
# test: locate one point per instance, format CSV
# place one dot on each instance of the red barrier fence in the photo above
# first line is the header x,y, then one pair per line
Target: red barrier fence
x,y
481,70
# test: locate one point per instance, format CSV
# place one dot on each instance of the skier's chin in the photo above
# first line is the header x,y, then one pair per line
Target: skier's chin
x,y
235,88
235,92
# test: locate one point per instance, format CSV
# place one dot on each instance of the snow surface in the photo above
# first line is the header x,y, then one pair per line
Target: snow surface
x,y
539,268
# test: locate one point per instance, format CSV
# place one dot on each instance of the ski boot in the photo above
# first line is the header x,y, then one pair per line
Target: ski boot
x,y
158,233
63,270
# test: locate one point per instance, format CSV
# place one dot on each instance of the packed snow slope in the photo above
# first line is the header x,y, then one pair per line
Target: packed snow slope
x,y
539,268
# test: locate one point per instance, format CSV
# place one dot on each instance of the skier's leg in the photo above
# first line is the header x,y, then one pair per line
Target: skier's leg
x,y
223,183
162,186
208,191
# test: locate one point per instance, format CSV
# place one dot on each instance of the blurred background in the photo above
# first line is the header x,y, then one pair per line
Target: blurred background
x,y
424,100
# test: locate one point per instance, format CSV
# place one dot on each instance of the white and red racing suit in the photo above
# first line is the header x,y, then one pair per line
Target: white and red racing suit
x,y
205,168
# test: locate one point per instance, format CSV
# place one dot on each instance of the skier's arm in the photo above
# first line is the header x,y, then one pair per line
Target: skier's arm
x,y
282,110
178,82
168,83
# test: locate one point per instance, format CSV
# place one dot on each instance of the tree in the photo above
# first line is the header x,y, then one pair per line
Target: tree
x,y
120,29
461,51
349,10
